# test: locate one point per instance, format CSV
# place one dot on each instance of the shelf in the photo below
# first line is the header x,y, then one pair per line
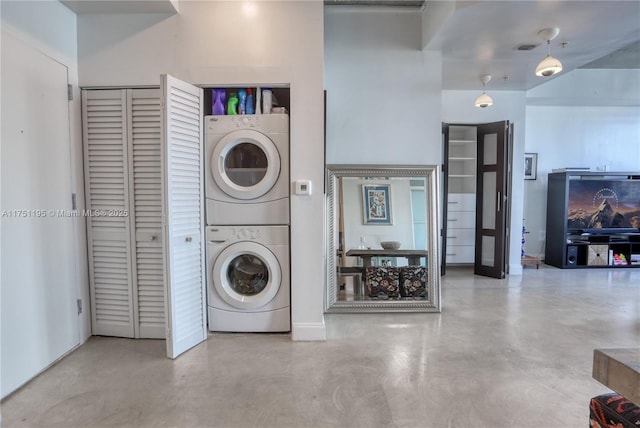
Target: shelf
x,y
462,141
461,158
461,176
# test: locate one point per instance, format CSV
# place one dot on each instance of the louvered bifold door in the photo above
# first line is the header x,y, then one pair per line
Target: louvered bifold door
x,y
107,202
145,171
183,211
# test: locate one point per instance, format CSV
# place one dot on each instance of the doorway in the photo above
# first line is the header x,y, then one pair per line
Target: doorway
x,y
477,165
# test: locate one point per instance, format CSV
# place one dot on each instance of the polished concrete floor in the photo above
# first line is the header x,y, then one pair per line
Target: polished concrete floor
x,y
503,353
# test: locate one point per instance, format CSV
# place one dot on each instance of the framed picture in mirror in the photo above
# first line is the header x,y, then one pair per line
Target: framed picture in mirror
x,y
376,204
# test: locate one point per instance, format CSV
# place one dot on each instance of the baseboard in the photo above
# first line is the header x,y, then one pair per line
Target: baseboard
x,y
308,332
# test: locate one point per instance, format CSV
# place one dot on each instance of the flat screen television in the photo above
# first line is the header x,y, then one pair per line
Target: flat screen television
x,y
603,206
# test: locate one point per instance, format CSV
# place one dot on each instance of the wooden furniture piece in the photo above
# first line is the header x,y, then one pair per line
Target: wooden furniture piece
x,y
530,261
413,256
619,370
591,220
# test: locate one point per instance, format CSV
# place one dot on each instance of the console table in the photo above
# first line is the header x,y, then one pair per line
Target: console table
x,y
619,370
413,256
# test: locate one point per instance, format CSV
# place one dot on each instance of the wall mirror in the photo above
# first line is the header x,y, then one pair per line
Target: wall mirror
x,y
382,244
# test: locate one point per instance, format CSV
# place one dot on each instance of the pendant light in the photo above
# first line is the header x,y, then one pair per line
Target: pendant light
x,y
550,65
484,100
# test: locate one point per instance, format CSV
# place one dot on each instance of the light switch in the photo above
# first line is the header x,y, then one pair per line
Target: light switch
x,y
303,187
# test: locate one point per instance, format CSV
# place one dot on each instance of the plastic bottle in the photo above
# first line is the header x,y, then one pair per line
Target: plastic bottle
x,y
242,101
267,100
250,101
232,104
219,97
258,101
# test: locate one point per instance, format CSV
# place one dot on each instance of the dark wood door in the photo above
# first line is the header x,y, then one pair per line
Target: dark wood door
x,y
492,209
445,198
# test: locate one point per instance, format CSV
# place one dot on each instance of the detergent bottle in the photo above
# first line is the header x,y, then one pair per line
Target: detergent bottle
x,y
267,100
219,98
250,101
242,101
232,104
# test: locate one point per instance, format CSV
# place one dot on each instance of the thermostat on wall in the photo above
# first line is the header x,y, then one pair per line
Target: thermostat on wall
x,y
303,187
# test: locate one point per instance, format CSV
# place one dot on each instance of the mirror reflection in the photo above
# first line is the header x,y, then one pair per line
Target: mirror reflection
x,y
382,224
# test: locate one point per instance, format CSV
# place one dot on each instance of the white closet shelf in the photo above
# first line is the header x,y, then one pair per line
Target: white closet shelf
x,y
461,175
461,158
462,141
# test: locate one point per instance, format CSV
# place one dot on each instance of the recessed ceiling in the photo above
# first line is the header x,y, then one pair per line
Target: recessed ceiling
x,y
482,37
83,7
380,3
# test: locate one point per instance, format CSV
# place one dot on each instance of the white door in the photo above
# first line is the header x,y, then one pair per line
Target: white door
x,y
39,315
145,170
246,275
183,215
245,164
104,118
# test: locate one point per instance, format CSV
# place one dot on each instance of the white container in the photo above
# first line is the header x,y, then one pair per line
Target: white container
x,y
267,101
258,101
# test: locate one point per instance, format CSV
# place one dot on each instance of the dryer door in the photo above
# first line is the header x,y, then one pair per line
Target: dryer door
x,y
245,164
246,275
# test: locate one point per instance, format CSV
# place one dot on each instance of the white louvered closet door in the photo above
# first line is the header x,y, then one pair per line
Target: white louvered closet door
x,y
145,170
183,215
107,196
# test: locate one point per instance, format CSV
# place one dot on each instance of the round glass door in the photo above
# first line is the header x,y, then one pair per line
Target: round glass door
x,y
246,275
245,164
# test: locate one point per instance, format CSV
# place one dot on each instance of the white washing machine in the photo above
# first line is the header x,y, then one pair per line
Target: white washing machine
x,y
247,169
248,281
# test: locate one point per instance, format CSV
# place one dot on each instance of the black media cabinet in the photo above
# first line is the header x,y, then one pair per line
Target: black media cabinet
x,y
593,220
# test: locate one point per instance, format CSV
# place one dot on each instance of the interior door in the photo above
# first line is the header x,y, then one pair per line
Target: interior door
x,y
38,312
445,198
183,215
491,199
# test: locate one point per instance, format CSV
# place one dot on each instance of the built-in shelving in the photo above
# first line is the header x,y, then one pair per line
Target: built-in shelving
x,y
461,206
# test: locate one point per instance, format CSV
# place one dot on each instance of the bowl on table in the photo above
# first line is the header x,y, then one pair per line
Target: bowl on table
x,y
390,245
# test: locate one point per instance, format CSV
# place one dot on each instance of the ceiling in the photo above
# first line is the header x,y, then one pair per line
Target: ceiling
x,y
480,37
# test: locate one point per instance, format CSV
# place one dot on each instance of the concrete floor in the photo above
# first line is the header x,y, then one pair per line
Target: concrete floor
x,y
503,353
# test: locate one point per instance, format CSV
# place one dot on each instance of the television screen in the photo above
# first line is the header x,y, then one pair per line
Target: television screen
x,y
603,204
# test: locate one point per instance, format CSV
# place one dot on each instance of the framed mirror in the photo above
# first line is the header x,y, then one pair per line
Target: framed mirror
x,y
383,238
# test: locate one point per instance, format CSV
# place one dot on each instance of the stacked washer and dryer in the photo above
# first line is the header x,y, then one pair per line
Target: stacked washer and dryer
x,y
247,233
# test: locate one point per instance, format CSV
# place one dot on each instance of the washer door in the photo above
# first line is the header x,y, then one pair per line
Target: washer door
x,y
245,164
246,275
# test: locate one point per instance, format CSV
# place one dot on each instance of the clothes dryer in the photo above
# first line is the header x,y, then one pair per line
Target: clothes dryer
x,y
247,169
248,278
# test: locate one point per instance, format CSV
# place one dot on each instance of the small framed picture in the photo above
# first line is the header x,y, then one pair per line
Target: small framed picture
x,y
530,166
376,203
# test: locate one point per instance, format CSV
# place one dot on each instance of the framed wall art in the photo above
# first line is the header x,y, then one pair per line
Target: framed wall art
x,y
376,203
530,166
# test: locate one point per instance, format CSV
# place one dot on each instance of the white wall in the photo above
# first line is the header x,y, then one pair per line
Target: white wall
x,y
458,107
383,91
45,30
586,118
401,228
231,42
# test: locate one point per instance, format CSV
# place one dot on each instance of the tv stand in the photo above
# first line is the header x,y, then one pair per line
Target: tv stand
x,y
588,247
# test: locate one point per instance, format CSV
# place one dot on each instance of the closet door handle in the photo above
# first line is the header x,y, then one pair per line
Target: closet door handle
x,y
499,202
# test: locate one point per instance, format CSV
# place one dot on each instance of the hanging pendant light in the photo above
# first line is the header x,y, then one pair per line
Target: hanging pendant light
x,y
484,100
549,65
